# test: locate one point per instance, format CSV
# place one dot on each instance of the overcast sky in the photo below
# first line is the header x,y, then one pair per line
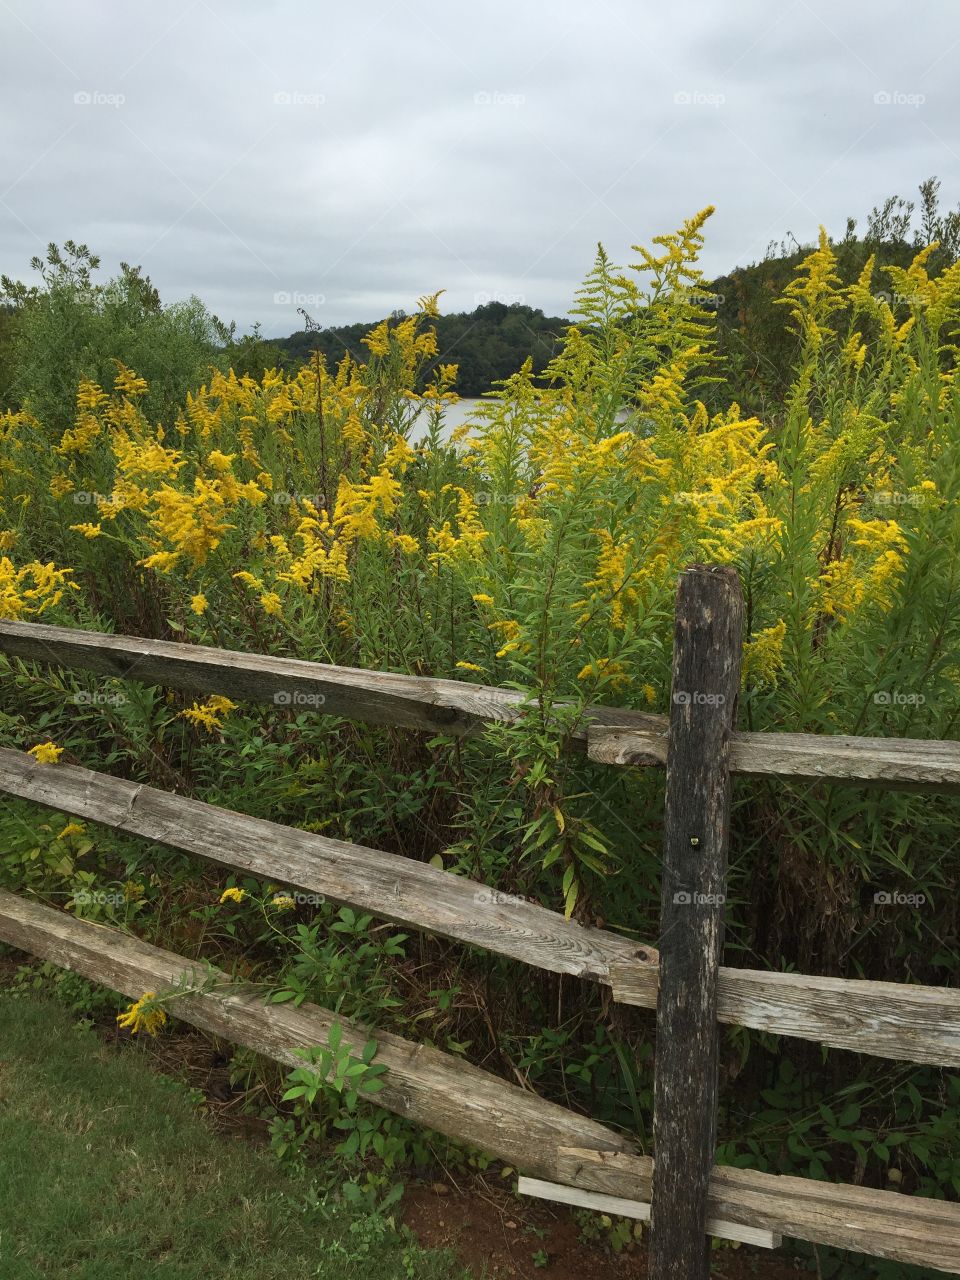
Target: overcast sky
x,y
353,156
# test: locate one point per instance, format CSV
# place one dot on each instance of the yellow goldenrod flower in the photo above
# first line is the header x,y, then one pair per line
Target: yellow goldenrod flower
x,y
88,530
198,603
283,902
141,1017
208,714
469,666
72,829
482,598
233,895
46,753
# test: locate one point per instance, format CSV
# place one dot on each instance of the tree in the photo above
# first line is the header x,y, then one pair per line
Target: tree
x,y
70,327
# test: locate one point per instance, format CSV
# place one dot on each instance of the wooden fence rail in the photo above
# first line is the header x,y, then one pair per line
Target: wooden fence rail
x,y
611,735
887,1019
581,1160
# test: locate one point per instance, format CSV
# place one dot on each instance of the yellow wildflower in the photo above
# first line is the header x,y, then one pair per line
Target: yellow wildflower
x,y
207,715
283,902
469,666
198,603
128,383
482,598
72,829
763,655
272,604
88,530
141,1017
46,753
232,895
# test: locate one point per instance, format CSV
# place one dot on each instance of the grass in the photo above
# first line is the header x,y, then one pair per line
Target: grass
x,y
107,1171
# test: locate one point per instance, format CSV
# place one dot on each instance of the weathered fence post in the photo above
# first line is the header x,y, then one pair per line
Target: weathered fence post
x,y
706,681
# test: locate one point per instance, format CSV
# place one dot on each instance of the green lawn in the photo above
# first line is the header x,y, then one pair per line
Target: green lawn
x,y
107,1172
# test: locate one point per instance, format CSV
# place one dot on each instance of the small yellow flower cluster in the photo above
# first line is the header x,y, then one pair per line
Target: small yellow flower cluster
x,y
209,715
32,589
142,1016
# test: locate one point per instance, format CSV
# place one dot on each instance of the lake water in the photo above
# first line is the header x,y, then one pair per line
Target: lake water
x,y
454,415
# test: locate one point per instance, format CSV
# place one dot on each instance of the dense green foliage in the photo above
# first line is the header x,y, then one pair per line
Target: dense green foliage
x,y
71,327
487,344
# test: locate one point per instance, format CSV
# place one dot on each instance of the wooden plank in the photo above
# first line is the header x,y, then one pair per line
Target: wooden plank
x,y
892,1020
377,697
638,1210
909,764
898,1020
885,1224
433,1088
706,683
389,885
612,735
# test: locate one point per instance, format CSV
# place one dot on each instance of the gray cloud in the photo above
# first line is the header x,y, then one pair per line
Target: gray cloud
x,y
246,150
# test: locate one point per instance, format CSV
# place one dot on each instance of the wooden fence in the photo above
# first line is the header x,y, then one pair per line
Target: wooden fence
x,y
562,1155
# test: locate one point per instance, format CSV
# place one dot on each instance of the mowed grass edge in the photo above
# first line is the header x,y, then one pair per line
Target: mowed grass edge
x,y
107,1171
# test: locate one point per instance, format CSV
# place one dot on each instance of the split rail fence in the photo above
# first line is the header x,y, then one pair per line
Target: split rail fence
x,y
562,1156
